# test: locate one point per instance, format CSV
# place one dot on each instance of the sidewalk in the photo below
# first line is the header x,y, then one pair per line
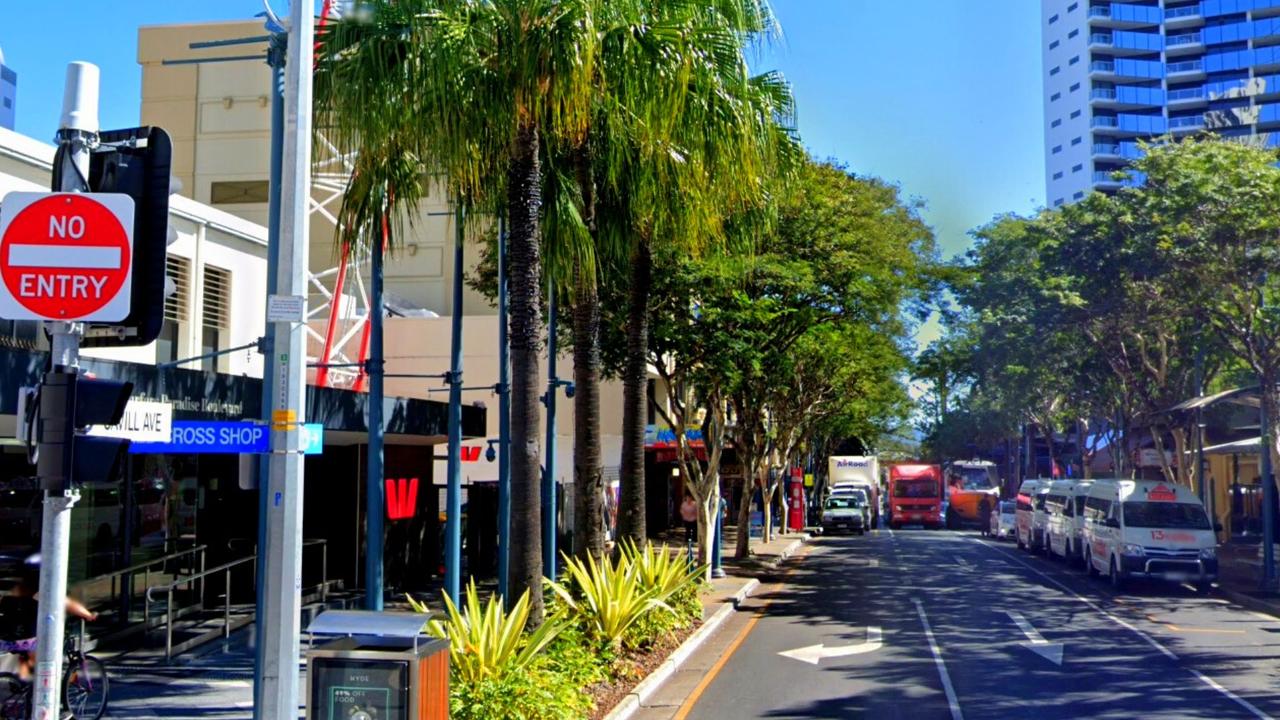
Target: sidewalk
x,y
1239,572
216,680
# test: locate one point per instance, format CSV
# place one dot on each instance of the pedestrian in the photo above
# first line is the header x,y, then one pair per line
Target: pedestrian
x,y
689,515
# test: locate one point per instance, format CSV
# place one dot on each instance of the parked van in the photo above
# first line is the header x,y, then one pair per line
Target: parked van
x,y
1064,507
1031,515
1148,529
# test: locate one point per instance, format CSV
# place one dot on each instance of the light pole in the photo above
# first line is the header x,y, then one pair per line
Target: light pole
x,y
504,420
453,493
554,383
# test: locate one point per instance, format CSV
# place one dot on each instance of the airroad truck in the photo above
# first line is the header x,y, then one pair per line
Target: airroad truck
x,y
858,471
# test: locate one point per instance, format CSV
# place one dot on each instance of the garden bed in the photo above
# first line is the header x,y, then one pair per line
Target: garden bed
x,y
633,667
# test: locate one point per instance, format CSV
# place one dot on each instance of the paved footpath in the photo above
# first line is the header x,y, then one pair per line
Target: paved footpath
x,y
926,624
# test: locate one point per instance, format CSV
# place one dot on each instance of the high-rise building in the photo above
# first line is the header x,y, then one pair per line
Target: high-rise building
x,y
1118,72
8,94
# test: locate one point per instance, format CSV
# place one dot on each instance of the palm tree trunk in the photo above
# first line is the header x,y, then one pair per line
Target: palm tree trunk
x,y
524,200
631,511
588,474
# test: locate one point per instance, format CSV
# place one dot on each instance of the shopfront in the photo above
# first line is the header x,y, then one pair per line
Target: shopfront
x,y
173,500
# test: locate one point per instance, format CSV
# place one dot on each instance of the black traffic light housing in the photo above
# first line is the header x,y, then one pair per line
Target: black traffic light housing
x,y
137,162
69,404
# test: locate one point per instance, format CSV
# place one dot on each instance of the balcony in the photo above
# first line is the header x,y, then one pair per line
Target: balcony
x,y
1106,151
1103,123
1183,44
1116,179
1122,15
1185,70
1131,125
1186,124
1126,97
1186,97
1181,17
1126,69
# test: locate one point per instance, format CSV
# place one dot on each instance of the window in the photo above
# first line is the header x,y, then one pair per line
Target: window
x,y
1074,88
1073,6
1058,202
1077,168
1053,44
175,308
1057,175
1054,97
216,314
8,103
1053,19
1072,34
1055,123
1074,60
239,192
1056,70
1076,141
1057,149
1078,195
1075,114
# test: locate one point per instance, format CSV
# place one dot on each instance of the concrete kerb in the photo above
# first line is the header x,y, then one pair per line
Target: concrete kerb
x,y
1268,607
634,700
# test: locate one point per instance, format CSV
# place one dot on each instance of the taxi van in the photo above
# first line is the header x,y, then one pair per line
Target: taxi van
x,y
1064,507
1148,529
1025,512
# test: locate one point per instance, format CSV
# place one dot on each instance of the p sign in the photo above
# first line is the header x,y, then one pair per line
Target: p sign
x,y
66,256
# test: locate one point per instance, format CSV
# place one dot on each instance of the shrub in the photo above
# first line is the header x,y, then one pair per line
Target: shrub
x,y
606,597
674,581
487,643
534,694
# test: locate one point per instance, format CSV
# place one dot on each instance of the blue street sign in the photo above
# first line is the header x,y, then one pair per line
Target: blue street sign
x,y
238,438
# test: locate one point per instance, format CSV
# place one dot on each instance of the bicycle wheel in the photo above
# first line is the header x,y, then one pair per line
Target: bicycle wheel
x,y
85,687
15,697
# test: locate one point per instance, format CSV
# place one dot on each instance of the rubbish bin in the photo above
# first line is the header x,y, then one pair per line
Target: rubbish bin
x,y
379,667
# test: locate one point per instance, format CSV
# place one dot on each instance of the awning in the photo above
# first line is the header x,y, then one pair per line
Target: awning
x,y
1248,446
1240,396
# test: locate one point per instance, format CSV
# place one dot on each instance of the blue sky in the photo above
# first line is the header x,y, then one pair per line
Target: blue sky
x,y
941,96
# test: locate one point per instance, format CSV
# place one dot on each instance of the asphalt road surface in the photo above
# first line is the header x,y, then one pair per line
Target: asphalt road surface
x,y
948,646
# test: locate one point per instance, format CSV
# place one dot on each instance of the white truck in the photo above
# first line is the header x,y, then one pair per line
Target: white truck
x,y
857,471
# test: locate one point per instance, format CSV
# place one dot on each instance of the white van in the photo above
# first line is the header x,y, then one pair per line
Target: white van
x,y
1065,507
1024,512
1148,529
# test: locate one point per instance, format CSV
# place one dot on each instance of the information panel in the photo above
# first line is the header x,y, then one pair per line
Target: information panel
x,y
350,689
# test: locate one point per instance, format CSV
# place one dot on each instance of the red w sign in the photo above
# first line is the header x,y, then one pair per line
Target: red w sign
x,y
470,453
402,498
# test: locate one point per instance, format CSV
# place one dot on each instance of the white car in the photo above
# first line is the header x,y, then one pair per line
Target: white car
x,y
1004,521
1148,529
1030,513
1064,507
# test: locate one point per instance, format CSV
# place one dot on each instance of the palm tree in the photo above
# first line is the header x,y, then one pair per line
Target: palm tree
x,y
473,91
726,133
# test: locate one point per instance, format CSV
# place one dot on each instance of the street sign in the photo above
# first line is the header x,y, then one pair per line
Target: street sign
x,y
66,256
199,437
144,421
286,308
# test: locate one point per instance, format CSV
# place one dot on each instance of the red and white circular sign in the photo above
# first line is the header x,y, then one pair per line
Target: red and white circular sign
x,y
66,256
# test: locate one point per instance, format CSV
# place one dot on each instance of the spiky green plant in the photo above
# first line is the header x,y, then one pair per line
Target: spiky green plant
x,y
660,569
486,642
607,597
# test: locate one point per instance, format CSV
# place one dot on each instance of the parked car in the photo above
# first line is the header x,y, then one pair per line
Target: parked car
x,y
846,512
1004,521
1064,506
1148,529
1025,512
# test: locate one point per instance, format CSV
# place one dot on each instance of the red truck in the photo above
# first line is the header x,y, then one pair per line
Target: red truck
x,y
915,495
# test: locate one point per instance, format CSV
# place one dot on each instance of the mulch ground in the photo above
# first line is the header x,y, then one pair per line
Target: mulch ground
x,y
633,667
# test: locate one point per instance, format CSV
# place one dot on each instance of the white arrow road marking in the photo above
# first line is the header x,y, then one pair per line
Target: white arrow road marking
x,y
814,654
1035,641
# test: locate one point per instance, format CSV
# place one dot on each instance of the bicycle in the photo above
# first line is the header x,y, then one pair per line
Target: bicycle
x,y
85,685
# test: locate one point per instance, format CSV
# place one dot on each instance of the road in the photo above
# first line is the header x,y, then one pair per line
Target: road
x,y
949,647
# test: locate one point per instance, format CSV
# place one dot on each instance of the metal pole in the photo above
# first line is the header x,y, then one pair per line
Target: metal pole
x,y
1268,497
277,696
1199,439
504,420
275,58
716,570
374,501
76,134
453,496
549,467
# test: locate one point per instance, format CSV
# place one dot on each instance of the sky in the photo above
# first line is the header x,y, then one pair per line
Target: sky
x,y
942,97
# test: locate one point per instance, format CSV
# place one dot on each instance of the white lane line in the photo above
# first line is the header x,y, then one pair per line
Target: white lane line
x,y
1150,640
937,659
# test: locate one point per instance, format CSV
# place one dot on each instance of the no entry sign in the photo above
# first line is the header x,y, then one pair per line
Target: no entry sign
x,y
66,256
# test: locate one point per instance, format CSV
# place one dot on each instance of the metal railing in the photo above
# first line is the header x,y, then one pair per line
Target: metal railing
x,y
1106,149
1100,38
1187,39
1187,122
1102,66
1187,66
225,570
1103,93
1181,12
1195,93
1103,121
144,568
1100,11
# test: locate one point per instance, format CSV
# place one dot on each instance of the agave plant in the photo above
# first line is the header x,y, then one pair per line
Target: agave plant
x,y
606,596
660,569
487,642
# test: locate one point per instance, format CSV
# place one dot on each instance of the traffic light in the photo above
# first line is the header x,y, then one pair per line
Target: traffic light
x,y
69,404
137,162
